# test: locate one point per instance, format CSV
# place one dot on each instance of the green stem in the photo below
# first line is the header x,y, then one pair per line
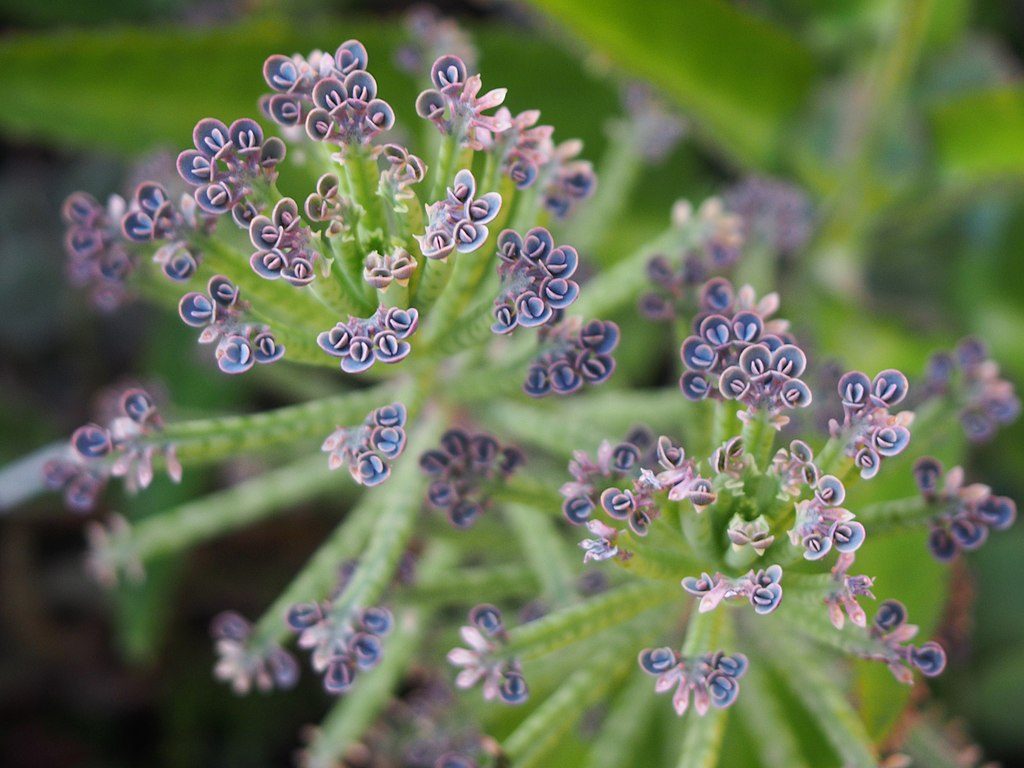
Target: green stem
x,y
825,702
541,731
216,438
583,620
354,714
402,500
627,722
703,735
320,575
542,548
189,524
444,173
758,439
894,515
616,288
460,587
619,170
770,726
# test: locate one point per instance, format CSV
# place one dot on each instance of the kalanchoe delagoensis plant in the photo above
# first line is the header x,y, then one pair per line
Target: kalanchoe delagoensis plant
x,y
731,539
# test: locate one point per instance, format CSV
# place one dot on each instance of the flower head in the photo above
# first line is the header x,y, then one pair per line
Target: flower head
x,y
708,680
536,280
964,514
573,354
482,661
369,449
464,471
244,666
221,314
124,446
456,107
228,164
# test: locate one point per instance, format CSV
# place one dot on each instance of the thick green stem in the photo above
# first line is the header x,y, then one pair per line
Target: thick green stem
x,y
354,714
758,439
618,287
894,515
618,172
533,739
216,438
543,549
320,575
583,620
402,500
626,723
825,702
444,166
463,586
189,524
703,735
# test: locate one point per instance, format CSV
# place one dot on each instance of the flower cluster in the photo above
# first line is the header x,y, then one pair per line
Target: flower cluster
x,y
653,127
109,552
844,593
125,446
713,245
711,679
293,78
394,267
98,256
524,148
890,628
401,171
327,205
346,111
481,662
459,221
369,449
775,214
536,284
362,342
228,165
870,431
590,477
822,524
153,217
985,399
569,180
964,513
244,666
282,243
573,354
729,322
763,589
340,650
766,380
219,312
639,505
455,106
464,471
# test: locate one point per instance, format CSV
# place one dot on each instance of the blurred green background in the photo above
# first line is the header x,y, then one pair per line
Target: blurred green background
x,y
902,119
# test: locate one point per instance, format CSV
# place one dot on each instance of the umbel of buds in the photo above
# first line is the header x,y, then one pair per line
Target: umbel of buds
x,y
369,449
481,662
464,471
964,514
125,446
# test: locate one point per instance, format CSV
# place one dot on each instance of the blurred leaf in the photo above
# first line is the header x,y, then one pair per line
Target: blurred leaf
x,y
740,78
133,89
977,137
